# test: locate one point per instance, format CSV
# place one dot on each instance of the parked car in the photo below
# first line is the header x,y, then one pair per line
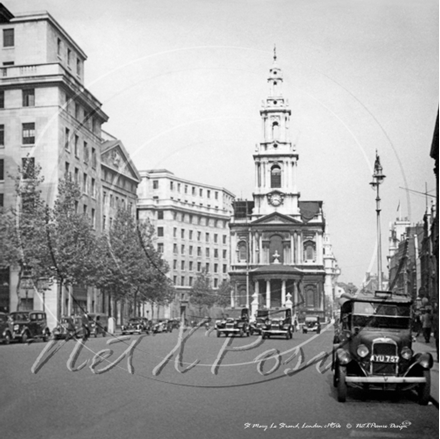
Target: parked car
x,y
81,324
65,329
234,322
5,328
136,325
29,325
373,347
278,323
162,326
175,323
256,326
98,324
311,324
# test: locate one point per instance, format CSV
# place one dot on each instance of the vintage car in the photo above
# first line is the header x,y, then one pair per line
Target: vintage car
x,y
162,326
278,323
311,324
136,325
5,328
234,322
256,325
29,325
65,329
373,347
98,324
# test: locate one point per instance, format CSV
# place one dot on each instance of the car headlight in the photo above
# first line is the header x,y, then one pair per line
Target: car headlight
x,y
16,327
406,353
344,357
362,351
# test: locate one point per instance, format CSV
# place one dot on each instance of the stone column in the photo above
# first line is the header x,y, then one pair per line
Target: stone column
x,y
233,297
283,292
292,248
255,300
298,257
267,293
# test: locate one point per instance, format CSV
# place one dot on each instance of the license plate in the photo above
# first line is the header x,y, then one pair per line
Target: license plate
x,y
385,358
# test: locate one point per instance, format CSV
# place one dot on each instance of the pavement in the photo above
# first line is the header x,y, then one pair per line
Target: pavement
x,y
421,346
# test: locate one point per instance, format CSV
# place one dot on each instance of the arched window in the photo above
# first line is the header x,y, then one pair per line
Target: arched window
x,y
310,297
275,176
309,251
242,251
275,130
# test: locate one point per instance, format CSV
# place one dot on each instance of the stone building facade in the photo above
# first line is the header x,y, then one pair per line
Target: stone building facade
x,y
191,222
277,240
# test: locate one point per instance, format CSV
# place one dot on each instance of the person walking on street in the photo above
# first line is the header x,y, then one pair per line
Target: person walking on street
x,y
427,325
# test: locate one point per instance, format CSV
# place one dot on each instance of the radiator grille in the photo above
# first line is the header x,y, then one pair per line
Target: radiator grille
x,y
384,349
384,368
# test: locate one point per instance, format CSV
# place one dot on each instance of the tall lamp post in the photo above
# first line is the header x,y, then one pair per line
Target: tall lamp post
x,y
378,178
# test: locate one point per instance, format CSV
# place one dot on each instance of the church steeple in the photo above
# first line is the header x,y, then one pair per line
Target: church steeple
x,y
275,158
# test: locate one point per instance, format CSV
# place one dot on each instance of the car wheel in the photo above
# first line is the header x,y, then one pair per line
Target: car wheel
x,y
424,389
335,375
264,336
25,337
218,333
291,335
46,335
287,335
342,385
8,338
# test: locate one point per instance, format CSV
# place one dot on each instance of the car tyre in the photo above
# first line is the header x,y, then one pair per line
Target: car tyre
x,y
287,335
8,338
424,389
218,334
342,385
46,335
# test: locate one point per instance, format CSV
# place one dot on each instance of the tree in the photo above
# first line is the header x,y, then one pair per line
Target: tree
x,y
223,296
23,229
202,294
71,240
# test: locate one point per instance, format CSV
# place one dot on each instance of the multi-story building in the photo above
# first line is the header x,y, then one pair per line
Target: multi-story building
x,y
48,118
277,248
191,223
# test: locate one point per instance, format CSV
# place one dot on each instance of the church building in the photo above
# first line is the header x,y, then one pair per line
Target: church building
x,y
277,240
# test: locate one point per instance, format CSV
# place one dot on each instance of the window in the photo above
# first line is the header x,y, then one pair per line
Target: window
x,y
224,268
199,251
215,268
182,233
2,135
175,232
2,99
93,191
76,175
155,184
182,265
190,234
77,111
215,237
8,38
160,247
224,239
28,133
160,214
75,146
2,200
190,265
174,264
242,251
207,252
190,281
58,47
216,195
175,280
78,67
28,166
199,266
86,153
93,218
175,248
215,253
193,190
67,175
224,254
171,185
104,198
160,231
28,95
93,158
275,176
201,192
182,248
2,169
199,236
207,266
104,222
182,281
67,139
69,57
215,283
186,189
85,183
208,194
112,201
207,237
309,250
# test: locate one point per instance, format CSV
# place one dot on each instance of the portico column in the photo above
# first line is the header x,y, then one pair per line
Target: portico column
x,y
283,292
298,257
295,293
292,249
267,293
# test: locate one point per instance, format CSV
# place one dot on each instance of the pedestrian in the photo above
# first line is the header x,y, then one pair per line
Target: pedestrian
x,y
427,325
416,326
435,329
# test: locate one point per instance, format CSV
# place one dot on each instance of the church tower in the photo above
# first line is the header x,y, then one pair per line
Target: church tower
x,y
275,157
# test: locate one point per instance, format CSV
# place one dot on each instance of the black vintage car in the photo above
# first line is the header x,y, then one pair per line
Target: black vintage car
x,y
311,324
373,347
278,323
234,322
65,329
5,328
29,325
136,325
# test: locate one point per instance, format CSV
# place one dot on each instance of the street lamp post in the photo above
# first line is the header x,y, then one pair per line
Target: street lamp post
x,y
378,178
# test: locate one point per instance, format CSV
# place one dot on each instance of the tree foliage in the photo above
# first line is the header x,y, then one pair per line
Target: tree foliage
x,y
201,294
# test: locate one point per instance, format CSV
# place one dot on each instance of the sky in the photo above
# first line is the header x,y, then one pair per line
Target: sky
x,y
182,83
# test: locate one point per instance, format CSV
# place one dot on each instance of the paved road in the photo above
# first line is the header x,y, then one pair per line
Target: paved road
x,y
208,388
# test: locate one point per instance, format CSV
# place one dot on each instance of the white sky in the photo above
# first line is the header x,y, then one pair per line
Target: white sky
x,y
183,81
